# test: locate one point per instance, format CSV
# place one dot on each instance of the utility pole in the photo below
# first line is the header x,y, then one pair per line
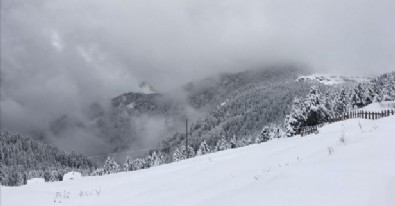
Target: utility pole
x,y
186,137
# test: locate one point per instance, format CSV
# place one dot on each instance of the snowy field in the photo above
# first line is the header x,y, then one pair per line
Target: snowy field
x,y
313,170
378,107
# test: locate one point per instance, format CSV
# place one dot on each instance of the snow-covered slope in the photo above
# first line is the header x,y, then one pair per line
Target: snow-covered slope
x,y
332,79
311,170
380,106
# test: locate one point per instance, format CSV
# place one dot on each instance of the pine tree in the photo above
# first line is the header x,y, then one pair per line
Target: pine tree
x,y
203,149
377,90
357,97
223,144
316,112
265,134
341,103
330,101
155,159
367,95
2,175
138,164
178,155
110,166
233,142
295,120
127,166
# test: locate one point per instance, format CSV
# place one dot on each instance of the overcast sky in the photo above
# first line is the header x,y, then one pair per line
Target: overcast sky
x,y
57,56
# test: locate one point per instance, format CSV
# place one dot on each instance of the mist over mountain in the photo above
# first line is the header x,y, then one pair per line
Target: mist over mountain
x,y
135,121
63,63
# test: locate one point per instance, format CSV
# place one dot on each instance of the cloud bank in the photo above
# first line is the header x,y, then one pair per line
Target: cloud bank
x,y
57,57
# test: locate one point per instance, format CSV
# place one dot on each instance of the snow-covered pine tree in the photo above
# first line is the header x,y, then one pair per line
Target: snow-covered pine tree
x,y
98,172
191,152
203,149
265,134
388,86
316,112
357,97
110,166
275,132
377,90
127,166
233,142
341,103
181,154
138,164
2,175
368,94
178,155
245,141
223,144
155,159
295,120
330,101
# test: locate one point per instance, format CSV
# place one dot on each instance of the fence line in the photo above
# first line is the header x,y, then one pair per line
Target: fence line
x,y
348,115
361,114
309,130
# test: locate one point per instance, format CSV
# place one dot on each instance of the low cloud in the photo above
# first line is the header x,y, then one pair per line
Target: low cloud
x,y
58,57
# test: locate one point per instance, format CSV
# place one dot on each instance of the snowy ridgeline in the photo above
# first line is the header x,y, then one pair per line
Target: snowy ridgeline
x,y
328,79
347,163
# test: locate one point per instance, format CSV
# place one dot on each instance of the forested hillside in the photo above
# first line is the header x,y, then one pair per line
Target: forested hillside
x,y
318,106
22,158
241,104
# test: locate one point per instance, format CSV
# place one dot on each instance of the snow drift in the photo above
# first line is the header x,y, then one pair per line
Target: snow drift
x,y
347,163
72,176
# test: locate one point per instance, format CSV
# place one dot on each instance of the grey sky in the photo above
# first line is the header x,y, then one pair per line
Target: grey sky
x,y
59,56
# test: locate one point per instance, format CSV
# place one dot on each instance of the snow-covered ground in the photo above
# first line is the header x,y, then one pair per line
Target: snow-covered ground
x,y
328,79
72,176
378,107
311,170
35,181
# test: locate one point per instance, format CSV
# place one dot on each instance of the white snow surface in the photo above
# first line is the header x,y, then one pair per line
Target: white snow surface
x,y
35,181
290,171
72,176
378,107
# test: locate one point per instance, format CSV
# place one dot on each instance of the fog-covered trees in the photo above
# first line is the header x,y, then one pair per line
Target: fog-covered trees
x,y
152,160
24,158
203,148
110,166
155,159
181,153
2,174
134,164
223,144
